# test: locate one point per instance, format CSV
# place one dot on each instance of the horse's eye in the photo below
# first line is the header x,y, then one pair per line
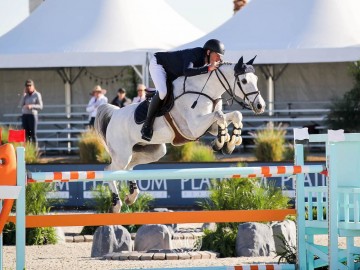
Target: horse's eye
x,y
244,81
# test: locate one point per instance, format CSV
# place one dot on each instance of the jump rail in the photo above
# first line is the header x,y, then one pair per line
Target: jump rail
x,y
228,172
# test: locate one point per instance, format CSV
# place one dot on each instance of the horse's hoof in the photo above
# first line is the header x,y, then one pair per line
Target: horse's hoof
x,y
216,146
227,149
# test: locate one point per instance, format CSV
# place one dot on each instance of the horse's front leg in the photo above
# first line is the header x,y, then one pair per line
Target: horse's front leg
x,y
222,131
235,118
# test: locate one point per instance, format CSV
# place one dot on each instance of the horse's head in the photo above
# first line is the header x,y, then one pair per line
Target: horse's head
x,y
247,89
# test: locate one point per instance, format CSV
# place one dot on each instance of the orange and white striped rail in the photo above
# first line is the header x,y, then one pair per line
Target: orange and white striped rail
x,y
224,172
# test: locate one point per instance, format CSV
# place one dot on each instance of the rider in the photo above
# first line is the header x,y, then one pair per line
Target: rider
x,y
171,65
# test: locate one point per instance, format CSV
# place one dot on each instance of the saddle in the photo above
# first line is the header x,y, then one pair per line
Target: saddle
x,y
142,108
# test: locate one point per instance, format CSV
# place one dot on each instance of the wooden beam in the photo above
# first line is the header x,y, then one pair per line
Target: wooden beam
x,y
155,218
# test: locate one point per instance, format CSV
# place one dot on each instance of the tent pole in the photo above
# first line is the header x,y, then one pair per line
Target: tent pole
x,y
270,85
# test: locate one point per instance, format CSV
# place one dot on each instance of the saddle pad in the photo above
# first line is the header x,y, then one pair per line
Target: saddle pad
x,y
142,108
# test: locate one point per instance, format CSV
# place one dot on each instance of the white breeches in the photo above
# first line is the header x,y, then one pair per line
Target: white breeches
x,y
158,76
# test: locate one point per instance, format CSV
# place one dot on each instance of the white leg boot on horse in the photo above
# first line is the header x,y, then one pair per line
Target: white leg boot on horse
x,y
222,137
116,202
147,128
235,139
134,192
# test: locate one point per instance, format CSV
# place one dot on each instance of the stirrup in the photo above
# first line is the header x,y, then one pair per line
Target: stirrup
x,y
134,192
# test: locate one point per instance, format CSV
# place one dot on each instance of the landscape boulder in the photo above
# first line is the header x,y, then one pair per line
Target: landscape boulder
x,y
108,239
255,240
153,236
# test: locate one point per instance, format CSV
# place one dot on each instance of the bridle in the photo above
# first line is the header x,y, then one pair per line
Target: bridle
x,y
231,91
228,89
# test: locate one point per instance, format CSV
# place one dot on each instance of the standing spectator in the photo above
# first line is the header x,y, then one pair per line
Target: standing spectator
x,y
121,100
96,100
141,93
31,103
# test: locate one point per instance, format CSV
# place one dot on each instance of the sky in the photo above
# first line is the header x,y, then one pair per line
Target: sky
x,y
205,14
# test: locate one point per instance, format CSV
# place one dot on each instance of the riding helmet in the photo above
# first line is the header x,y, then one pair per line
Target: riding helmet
x,y
215,45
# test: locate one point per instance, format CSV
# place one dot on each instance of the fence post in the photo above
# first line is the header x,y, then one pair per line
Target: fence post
x,y
20,209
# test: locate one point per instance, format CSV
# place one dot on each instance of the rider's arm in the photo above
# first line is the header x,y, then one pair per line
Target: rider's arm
x,y
190,70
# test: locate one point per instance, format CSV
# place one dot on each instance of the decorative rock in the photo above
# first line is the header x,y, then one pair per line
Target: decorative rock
x,y
254,240
153,237
286,230
184,256
147,256
135,256
88,238
195,255
79,238
109,239
159,256
171,256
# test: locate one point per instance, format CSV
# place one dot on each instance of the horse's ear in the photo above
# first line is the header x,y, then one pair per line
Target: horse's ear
x,y
241,61
251,61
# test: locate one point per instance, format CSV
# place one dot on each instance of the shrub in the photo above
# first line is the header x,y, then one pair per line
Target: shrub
x,y
91,148
269,143
36,204
222,240
344,111
191,152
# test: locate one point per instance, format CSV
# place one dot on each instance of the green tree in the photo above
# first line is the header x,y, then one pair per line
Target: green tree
x,y
345,112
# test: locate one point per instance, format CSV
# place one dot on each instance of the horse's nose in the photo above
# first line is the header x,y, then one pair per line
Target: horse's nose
x,y
259,106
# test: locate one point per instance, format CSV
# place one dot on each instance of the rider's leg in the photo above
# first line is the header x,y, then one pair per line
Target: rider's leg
x,y
147,129
158,75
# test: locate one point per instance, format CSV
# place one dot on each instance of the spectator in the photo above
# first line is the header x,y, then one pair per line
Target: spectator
x,y
96,100
31,103
121,100
141,93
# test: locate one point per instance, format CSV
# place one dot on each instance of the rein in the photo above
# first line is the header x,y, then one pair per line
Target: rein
x,y
214,101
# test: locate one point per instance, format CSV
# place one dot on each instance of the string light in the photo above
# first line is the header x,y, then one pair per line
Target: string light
x,y
106,80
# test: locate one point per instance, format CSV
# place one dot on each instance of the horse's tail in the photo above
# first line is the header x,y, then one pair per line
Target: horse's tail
x,y
102,119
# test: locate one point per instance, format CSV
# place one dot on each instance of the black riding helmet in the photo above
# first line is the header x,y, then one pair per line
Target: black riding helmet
x,y
215,45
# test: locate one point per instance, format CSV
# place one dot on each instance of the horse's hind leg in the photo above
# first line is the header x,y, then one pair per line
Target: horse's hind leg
x,y
118,162
142,154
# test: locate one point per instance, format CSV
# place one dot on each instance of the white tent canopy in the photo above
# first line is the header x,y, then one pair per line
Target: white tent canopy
x,y
286,31
67,33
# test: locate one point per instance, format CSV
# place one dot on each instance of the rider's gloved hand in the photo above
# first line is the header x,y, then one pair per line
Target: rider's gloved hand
x,y
213,66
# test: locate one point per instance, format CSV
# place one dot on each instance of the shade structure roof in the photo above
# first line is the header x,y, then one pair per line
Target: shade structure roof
x,y
287,31
68,33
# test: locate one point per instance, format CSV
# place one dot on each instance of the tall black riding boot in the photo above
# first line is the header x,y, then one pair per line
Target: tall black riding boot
x,y
147,129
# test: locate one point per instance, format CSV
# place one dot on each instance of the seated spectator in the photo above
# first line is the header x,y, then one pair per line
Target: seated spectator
x,y
121,100
141,93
